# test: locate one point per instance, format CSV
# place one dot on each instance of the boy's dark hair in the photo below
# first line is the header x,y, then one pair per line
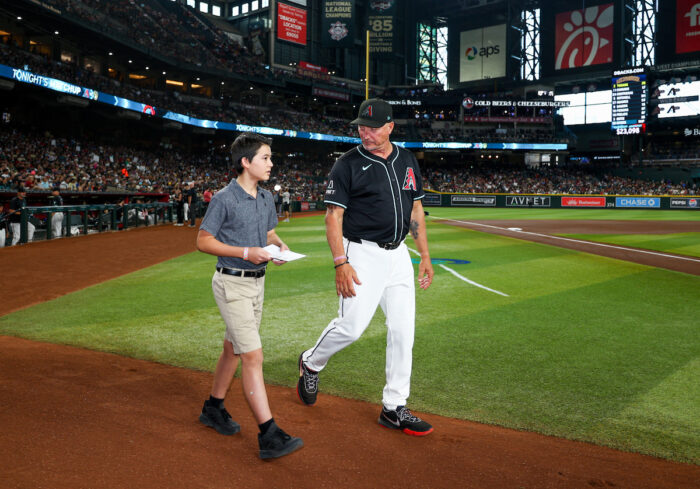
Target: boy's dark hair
x,y
245,146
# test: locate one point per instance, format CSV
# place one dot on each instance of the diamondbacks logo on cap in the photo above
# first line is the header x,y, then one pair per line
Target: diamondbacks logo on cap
x,y
409,181
367,112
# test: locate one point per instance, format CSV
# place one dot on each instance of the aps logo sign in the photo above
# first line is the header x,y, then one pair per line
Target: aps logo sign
x,y
472,52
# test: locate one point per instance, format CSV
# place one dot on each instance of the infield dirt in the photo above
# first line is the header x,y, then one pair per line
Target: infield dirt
x,y
74,418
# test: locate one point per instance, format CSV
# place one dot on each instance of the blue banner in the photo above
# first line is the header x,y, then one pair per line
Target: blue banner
x,y
653,202
90,94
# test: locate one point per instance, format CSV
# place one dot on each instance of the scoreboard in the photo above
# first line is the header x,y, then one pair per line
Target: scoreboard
x,y
629,101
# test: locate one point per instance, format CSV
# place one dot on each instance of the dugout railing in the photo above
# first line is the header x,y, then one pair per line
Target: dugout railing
x,y
87,219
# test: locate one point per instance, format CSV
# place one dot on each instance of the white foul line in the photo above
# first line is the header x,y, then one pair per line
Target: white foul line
x,y
576,240
465,278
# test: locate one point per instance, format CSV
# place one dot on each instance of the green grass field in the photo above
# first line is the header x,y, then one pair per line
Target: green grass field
x,y
581,346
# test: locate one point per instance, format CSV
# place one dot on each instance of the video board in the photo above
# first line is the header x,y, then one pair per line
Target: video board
x,y
629,101
679,100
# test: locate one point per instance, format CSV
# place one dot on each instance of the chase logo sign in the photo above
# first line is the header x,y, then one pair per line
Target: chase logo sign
x,y
647,202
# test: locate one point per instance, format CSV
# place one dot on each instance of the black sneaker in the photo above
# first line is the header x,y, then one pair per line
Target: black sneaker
x,y
307,387
402,419
276,443
219,419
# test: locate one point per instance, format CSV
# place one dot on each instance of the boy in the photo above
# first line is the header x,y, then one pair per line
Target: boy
x,y
239,222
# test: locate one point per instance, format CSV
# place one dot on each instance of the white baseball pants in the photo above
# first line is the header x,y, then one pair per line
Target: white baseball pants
x,y
57,224
388,281
16,235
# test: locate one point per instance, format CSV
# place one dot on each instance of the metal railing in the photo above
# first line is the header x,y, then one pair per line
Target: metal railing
x,y
88,219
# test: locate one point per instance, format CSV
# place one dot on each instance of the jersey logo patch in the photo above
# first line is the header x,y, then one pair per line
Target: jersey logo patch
x,y
409,181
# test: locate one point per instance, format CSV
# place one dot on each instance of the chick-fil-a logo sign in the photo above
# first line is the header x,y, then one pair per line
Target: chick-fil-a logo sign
x,y
687,26
584,37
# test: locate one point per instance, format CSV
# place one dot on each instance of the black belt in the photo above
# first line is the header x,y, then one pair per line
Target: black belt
x,y
389,245
242,273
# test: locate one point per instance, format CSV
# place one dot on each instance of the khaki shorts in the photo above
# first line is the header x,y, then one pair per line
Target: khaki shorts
x,y
240,301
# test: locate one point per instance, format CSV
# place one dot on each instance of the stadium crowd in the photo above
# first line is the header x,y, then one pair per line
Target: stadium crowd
x,y
283,116
284,113
40,161
546,181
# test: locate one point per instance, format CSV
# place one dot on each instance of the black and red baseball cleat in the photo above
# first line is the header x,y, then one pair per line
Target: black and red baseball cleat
x,y
402,419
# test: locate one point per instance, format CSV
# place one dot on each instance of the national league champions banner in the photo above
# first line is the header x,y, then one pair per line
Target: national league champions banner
x,y
337,23
584,37
687,26
381,22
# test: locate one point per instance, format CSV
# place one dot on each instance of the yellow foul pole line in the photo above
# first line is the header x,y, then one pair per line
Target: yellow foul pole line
x,y
367,67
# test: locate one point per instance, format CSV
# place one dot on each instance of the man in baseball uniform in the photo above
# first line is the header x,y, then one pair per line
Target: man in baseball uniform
x,y
16,205
373,200
57,217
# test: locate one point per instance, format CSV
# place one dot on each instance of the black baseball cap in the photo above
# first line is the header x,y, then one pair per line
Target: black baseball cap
x,y
374,112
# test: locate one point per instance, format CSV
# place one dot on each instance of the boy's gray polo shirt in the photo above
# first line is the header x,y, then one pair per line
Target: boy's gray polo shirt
x,y
236,218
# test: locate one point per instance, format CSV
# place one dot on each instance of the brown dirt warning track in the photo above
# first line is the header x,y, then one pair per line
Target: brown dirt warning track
x,y
73,418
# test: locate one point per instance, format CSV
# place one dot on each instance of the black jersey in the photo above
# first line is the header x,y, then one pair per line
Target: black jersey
x,y
376,193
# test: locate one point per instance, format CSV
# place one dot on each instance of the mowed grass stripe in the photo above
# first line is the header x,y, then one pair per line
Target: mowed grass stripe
x,y
570,353
687,244
475,213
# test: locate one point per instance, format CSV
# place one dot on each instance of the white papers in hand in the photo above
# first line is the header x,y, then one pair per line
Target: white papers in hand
x,y
286,255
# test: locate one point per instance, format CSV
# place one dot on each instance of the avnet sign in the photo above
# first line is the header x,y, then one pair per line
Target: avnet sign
x,y
528,201
473,201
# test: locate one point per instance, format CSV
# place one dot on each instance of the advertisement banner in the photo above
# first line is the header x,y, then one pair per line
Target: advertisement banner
x,y
583,201
337,23
584,37
528,201
685,203
334,94
473,201
653,202
291,24
381,22
432,199
687,26
482,53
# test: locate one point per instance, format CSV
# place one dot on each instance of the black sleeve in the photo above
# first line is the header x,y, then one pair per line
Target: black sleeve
x,y
338,189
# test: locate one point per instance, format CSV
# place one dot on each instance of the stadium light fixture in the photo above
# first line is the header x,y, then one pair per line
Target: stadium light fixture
x,y
130,61
55,32
222,83
147,68
19,17
111,53
164,72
